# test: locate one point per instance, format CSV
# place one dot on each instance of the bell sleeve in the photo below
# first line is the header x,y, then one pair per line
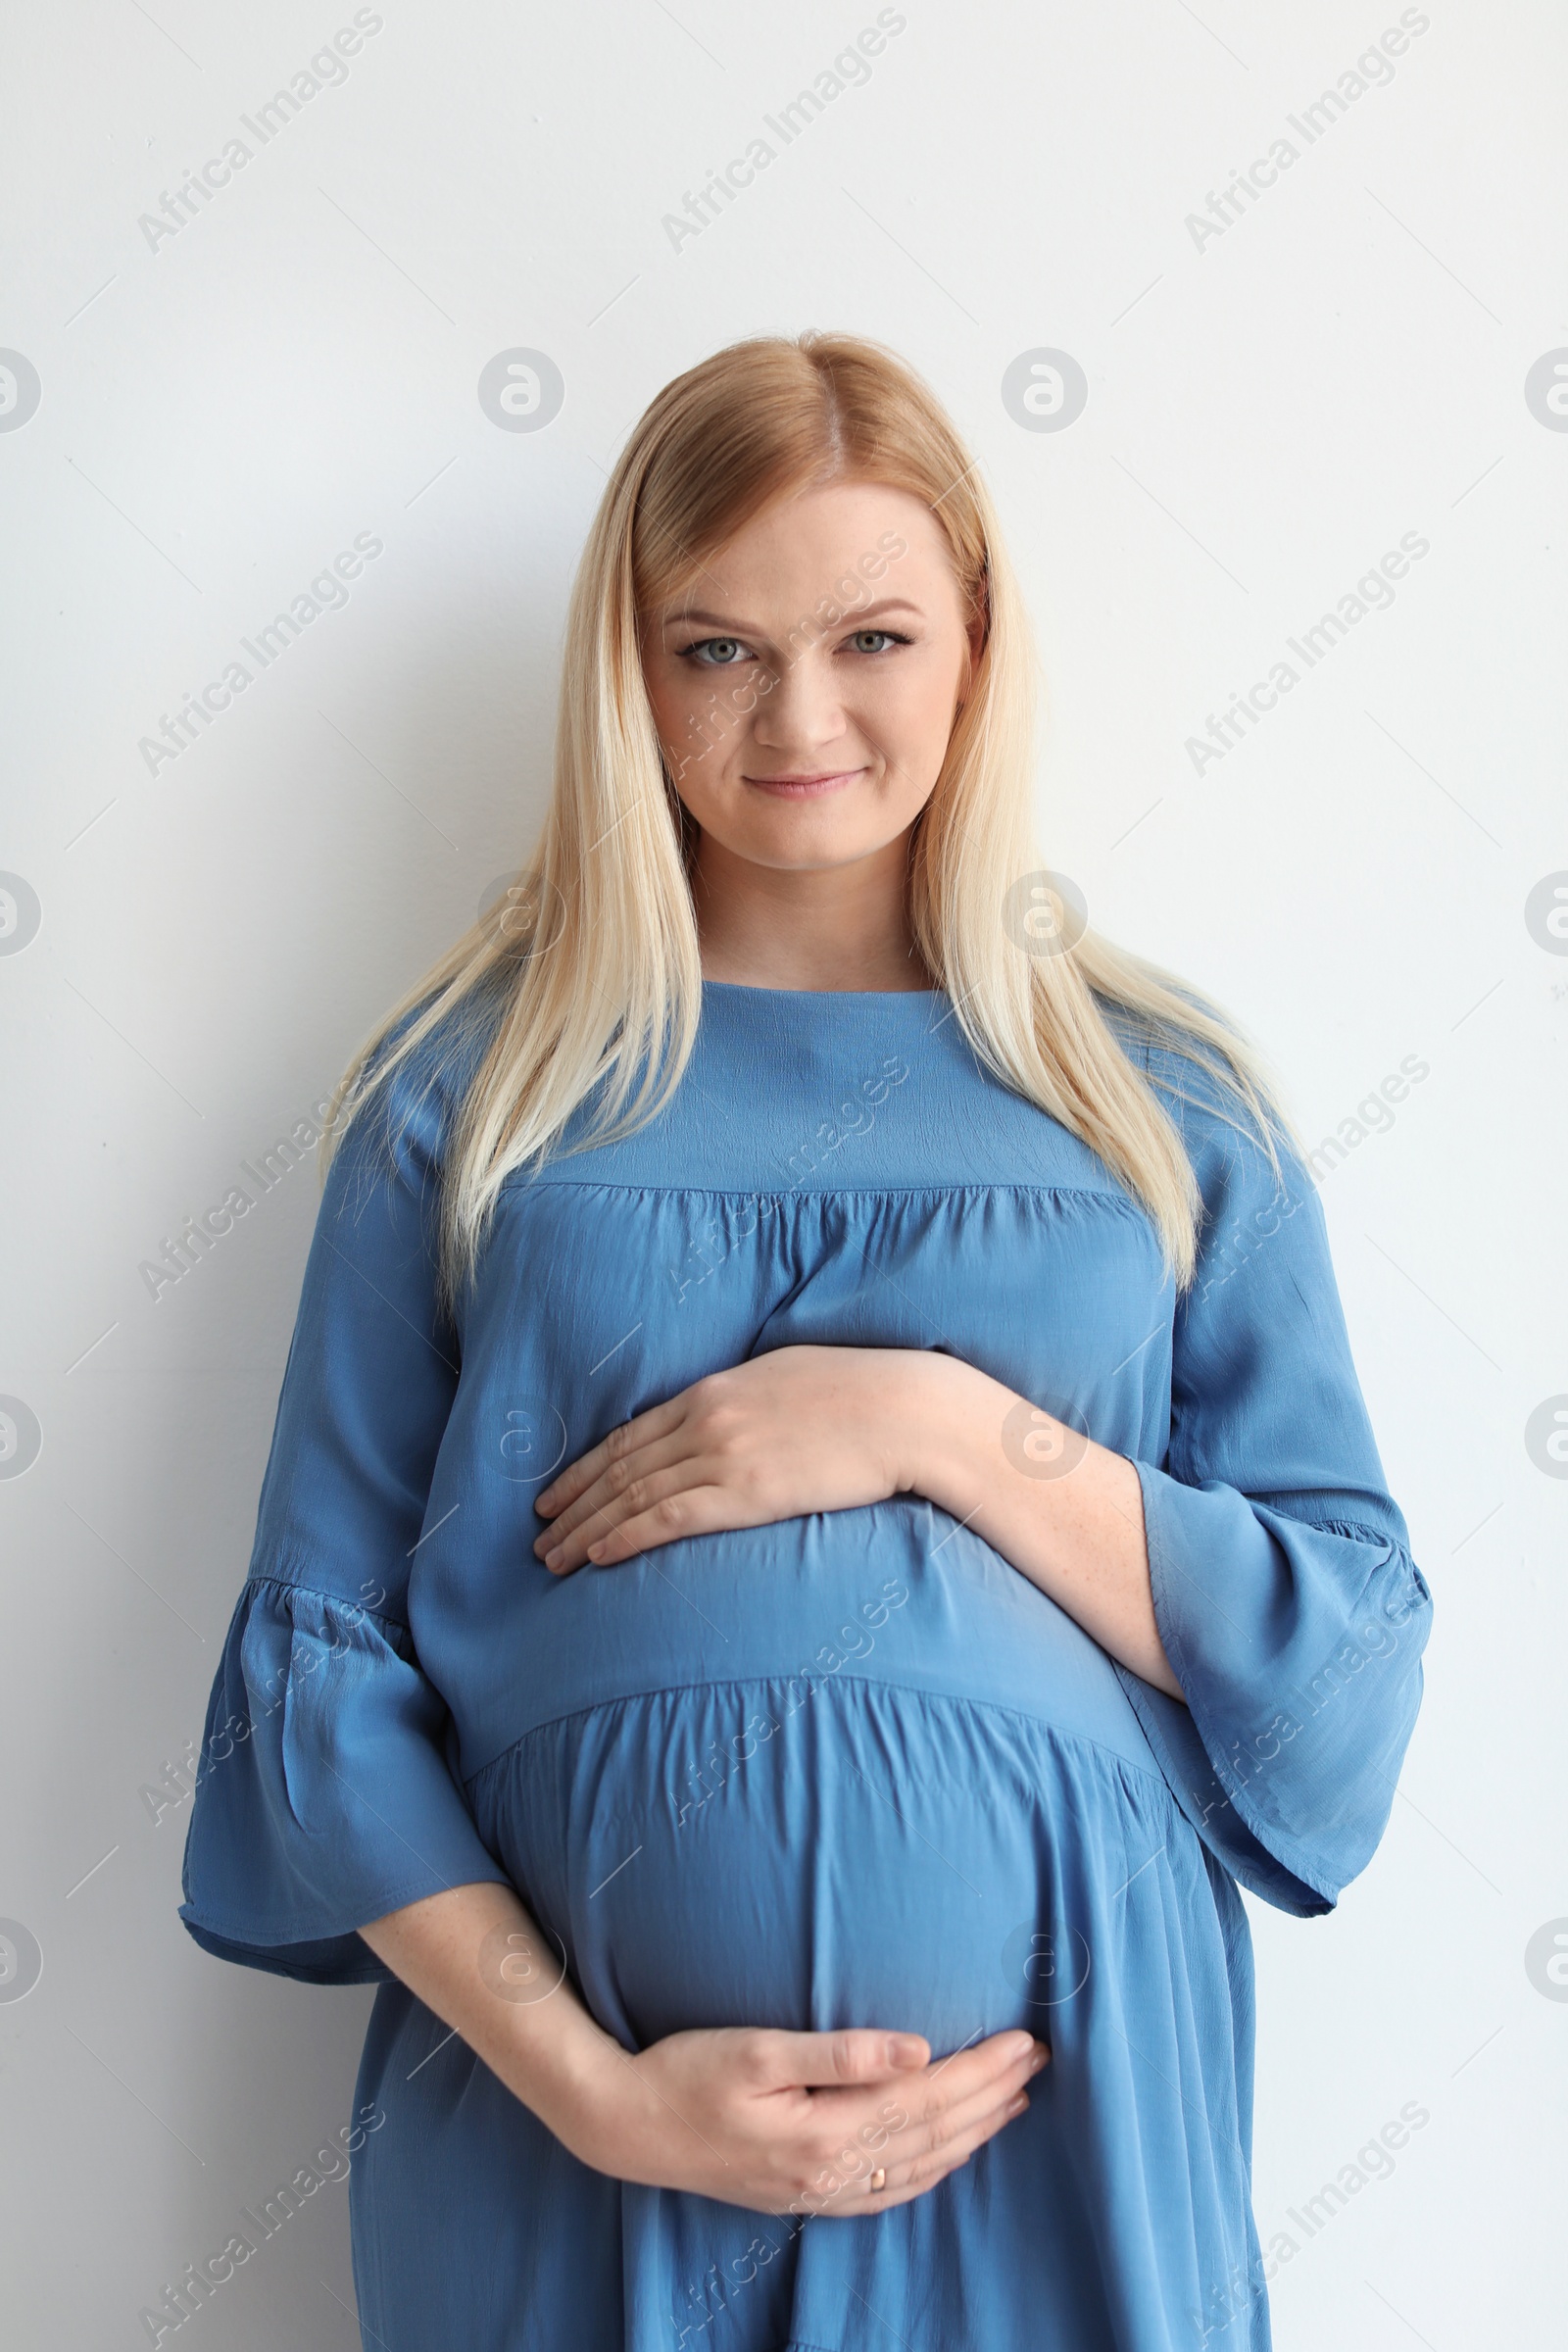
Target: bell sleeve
x,y
1290,1607
326,1792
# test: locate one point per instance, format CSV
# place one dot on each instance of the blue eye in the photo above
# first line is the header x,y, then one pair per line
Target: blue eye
x,y
715,653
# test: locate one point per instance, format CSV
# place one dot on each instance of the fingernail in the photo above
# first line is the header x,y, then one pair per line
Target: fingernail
x,y
1019,2045
904,2050
1040,2057
554,1555
1017,2107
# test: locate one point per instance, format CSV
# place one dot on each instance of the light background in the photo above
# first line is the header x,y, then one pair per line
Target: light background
x,y
1268,413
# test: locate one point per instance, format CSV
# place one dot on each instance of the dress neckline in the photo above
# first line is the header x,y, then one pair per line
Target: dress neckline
x,y
828,995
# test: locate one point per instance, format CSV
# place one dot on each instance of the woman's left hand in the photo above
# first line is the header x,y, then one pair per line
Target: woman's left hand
x,y
827,1429
798,1430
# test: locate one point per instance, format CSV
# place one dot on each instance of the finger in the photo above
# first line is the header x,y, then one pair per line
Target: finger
x,y
984,2109
596,1508
910,2128
963,2074
952,2153
624,1437
678,1502
914,2127
585,1544
854,2054
995,2051
690,1510
621,1491
843,2188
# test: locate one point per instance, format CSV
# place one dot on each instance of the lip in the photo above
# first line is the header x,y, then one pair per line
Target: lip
x,y
805,788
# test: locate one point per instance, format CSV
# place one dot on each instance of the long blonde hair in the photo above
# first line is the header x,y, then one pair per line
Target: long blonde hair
x,y
589,976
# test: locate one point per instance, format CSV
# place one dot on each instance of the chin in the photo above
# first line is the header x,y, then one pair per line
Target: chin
x,y
812,834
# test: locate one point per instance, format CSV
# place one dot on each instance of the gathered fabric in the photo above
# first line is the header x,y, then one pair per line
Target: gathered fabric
x,y
849,1768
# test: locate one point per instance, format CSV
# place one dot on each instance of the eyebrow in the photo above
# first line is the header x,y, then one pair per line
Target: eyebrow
x,y
684,616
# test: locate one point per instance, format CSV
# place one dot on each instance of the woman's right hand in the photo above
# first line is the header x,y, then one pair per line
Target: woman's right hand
x,y
773,2120
783,2122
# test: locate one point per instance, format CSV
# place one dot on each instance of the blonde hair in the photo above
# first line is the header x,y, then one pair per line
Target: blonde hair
x,y
591,973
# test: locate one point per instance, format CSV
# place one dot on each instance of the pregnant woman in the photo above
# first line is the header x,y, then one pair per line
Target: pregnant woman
x,y
821,1517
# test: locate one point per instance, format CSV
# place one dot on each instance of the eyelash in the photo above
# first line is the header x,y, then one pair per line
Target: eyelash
x,y
690,653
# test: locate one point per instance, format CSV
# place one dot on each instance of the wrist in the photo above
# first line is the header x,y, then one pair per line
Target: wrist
x,y
939,1398
560,2064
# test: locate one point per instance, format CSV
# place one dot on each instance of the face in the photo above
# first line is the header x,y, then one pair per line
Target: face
x,y
805,685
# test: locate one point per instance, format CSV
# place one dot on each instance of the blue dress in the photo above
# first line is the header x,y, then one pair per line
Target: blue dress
x,y
851,1768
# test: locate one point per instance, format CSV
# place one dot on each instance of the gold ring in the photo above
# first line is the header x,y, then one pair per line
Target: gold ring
x,y
878,2179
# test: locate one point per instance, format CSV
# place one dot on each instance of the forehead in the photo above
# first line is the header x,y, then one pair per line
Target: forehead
x,y
800,545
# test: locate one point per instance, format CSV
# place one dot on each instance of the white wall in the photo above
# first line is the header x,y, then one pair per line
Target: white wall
x,y
1269,410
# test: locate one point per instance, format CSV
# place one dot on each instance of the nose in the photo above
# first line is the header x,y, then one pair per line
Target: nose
x,y
802,717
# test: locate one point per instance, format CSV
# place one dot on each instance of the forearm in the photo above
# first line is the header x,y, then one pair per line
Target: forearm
x,y
770,2119
1066,1513
820,1428
477,1958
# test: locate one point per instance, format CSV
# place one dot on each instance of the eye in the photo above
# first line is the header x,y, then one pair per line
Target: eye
x,y
880,640
714,652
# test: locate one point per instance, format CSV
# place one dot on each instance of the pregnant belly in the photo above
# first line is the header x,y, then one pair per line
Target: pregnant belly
x,y
849,1768
812,1855
897,1593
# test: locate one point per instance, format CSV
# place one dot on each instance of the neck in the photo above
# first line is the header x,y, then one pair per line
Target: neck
x,y
831,927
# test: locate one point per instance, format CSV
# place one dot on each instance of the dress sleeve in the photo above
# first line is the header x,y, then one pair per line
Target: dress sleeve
x,y
1284,1589
325,1791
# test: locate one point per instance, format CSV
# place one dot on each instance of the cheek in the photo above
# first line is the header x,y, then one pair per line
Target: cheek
x,y
910,719
672,697
684,701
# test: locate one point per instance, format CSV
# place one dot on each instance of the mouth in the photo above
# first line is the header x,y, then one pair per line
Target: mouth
x,y
804,788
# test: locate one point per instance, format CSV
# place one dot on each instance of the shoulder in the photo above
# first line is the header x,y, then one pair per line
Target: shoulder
x,y
406,1105
1230,1148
